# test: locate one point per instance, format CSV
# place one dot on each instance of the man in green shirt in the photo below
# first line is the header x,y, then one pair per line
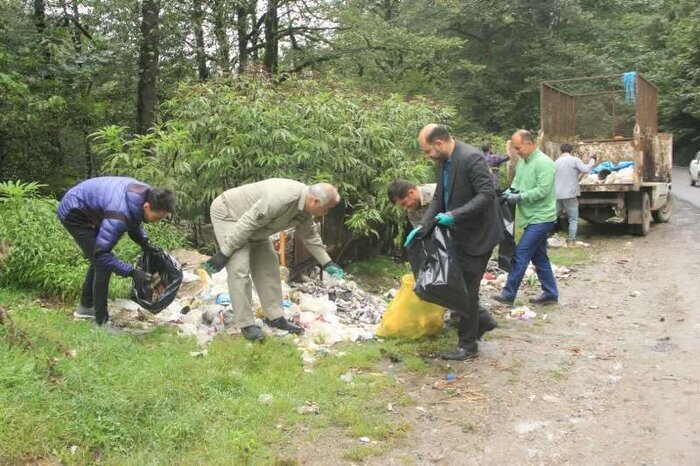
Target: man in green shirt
x,y
533,191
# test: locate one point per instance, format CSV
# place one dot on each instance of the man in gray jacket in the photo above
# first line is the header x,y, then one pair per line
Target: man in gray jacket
x,y
566,186
243,219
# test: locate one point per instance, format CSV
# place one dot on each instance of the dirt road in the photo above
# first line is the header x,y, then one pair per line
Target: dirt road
x,y
612,376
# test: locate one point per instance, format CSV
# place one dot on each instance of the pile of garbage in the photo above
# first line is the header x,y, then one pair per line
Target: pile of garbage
x,y
330,310
609,173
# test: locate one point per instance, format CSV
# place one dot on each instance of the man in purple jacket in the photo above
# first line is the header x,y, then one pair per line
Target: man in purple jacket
x,y
97,212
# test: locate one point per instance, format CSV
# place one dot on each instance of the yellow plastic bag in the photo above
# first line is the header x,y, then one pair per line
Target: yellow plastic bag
x,y
409,317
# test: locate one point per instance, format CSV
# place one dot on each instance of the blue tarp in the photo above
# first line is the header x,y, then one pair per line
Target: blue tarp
x,y
610,166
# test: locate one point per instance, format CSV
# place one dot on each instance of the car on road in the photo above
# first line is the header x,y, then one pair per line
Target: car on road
x,y
693,169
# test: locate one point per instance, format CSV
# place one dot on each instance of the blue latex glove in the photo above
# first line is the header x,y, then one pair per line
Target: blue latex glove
x,y
445,220
513,199
410,237
333,269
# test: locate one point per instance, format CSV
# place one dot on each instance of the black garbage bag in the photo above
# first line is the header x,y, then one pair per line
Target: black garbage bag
x,y
167,278
506,248
438,276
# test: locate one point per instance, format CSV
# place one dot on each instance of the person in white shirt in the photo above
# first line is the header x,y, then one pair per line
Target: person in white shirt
x,y
566,185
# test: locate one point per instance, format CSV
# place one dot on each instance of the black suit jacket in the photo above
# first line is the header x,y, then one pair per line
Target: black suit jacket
x,y
472,201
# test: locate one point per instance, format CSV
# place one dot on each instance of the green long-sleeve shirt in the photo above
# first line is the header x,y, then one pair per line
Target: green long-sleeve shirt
x,y
534,180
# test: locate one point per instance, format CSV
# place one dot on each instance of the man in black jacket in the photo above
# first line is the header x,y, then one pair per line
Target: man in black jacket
x,y
465,201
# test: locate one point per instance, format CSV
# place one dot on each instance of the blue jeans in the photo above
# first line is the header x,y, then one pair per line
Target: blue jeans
x,y
571,207
532,247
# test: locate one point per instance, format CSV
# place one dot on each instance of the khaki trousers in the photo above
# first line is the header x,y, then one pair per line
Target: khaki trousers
x,y
257,260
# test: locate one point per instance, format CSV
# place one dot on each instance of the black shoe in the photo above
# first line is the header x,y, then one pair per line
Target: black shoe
x,y
253,333
460,354
544,300
283,324
502,299
486,323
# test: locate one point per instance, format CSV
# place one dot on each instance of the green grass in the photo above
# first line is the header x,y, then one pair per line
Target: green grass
x,y
145,400
378,274
566,257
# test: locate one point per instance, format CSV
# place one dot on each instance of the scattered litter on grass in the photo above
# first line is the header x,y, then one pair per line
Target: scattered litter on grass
x,y
521,313
309,408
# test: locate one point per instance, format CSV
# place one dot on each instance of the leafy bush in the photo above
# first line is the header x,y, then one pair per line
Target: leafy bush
x,y
38,253
221,134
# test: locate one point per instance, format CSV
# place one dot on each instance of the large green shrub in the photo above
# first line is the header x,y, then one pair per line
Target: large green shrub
x,y
36,252
221,134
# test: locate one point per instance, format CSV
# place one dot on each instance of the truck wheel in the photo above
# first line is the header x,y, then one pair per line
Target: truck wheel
x,y
643,228
663,215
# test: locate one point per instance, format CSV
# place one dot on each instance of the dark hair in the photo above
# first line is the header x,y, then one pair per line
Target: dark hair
x,y
566,147
161,199
438,133
486,146
398,189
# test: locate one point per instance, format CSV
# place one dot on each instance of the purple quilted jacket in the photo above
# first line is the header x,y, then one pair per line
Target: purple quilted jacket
x,y
111,205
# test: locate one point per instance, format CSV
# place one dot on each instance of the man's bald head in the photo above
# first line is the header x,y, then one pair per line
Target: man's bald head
x,y
435,141
320,198
523,143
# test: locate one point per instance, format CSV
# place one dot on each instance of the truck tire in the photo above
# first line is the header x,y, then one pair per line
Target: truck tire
x,y
642,229
663,214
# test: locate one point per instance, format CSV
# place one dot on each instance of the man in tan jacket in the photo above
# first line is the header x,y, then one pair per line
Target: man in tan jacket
x,y
243,219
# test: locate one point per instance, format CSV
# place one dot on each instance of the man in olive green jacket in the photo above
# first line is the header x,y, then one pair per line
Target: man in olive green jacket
x,y
243,219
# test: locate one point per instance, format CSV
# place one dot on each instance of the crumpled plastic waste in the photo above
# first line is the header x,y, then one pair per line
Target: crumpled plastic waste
x,y
521,313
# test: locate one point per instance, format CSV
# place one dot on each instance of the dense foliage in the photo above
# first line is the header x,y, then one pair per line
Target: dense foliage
x,y
38,253
309,89
69,68
221,134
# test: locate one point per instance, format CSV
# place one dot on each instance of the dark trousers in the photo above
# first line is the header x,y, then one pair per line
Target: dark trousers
x,y
473,268
96,284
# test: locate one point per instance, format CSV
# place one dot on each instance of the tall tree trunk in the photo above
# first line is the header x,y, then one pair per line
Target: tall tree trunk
x,y
148,66
219,7
242,19
76,29
270,59
40,23
40,15
198,17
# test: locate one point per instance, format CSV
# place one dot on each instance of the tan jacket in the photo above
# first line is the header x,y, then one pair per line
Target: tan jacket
x,y
427,191
264,208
